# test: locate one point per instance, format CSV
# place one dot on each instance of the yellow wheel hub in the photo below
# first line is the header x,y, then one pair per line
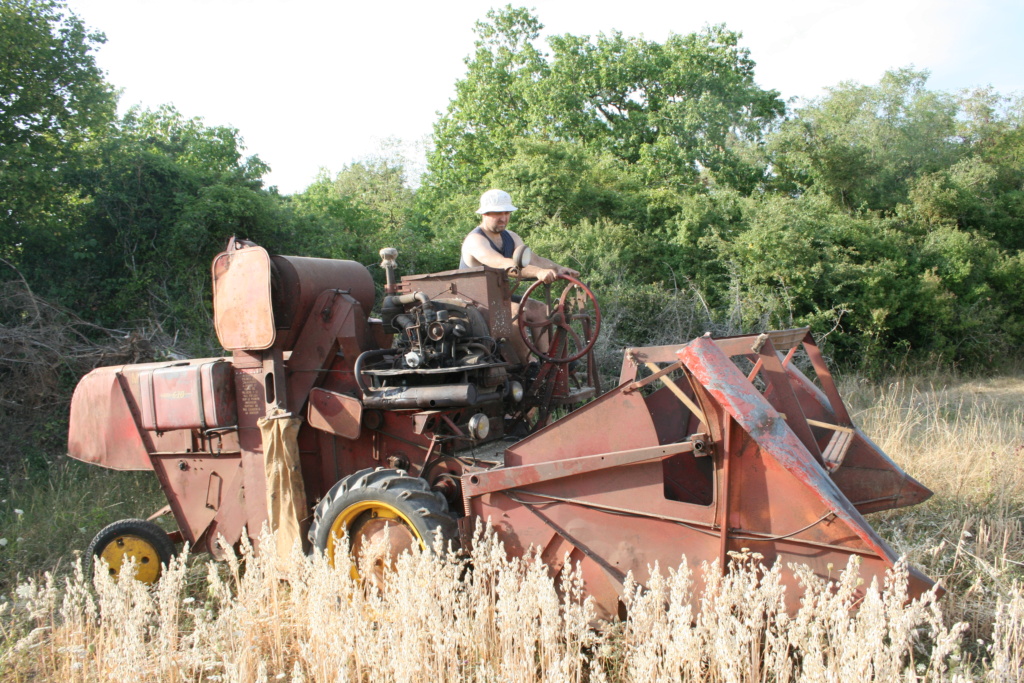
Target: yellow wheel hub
x,y
147,560
368,524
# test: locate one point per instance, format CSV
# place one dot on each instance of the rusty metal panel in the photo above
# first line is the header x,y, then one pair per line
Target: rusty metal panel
x,y
335,413
873,482
299,282
867,476
617,519
779,450
197,487
588,431
243,313
614,513
187,396
785,400
503,478
102,429
334,315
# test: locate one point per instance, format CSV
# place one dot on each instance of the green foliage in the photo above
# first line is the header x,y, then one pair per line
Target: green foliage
x,y
568,182
365,207
860,145
333,226
165,198
491,106
669,109
52,99
886,215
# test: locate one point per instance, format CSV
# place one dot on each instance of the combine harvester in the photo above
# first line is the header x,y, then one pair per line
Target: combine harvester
x,y
325,419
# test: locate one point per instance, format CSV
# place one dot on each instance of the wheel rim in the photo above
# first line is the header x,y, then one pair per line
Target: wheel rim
x,y
147,559
369,523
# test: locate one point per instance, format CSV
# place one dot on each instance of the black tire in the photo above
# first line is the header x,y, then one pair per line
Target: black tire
x,y
407,501
150,545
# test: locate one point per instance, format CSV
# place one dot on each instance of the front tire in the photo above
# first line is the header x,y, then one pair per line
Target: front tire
x,y
141,540
376,503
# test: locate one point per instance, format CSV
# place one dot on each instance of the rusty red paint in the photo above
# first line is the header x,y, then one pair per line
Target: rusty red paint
x,y
335,413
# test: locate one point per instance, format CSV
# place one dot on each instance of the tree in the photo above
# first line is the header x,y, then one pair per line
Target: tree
x,y
379,186
369,205
670,109
167,195
491,105
53,98
674,106
862,145
568,182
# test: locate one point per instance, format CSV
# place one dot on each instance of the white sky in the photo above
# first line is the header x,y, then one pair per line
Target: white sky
x,y
322,83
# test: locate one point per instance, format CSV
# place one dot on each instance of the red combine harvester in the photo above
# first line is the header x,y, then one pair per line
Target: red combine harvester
x,y
325,419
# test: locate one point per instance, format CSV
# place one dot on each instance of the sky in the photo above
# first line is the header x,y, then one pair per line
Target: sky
x,y
318,84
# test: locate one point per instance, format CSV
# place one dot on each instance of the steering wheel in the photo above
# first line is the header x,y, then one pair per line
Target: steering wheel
x,y
571,325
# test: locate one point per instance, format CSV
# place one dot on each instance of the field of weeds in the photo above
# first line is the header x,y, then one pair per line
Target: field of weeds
x,y
489,618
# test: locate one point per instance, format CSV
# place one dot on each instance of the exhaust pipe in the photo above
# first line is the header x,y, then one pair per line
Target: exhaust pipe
x,y
447,396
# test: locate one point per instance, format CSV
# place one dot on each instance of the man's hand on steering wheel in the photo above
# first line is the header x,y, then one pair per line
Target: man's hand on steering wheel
x,y
549,275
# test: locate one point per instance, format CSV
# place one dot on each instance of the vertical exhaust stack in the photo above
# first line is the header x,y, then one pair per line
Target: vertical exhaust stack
x,y
389,262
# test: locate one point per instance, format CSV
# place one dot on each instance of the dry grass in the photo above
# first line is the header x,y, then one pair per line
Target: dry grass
x,y
965,441
489,618
296,618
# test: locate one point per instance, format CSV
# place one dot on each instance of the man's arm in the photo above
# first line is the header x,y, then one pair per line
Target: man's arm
x,y
543,265
478,249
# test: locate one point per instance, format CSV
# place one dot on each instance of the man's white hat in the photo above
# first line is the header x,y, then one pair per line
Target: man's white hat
x,y
495,200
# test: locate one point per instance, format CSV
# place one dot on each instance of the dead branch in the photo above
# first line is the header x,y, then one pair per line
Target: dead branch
x,y
45,348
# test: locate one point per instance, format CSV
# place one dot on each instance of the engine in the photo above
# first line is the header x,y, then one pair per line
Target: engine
x,y
443,357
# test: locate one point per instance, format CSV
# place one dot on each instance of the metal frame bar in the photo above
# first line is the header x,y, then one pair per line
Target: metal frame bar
x,y
504,478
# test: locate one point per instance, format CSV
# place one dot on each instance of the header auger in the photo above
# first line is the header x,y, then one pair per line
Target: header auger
x,y
425,419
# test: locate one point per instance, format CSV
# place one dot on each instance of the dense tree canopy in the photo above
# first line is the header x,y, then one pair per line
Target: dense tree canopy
x,y
52,98
670,110
889,217
861,144
168,192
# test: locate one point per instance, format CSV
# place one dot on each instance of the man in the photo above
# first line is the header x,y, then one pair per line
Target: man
x,y
492,244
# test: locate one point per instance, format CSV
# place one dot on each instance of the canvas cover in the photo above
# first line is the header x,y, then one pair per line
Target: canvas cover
x,y
286,496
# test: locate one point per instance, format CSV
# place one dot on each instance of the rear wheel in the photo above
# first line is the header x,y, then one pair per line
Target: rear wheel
x,y
138,539
385,512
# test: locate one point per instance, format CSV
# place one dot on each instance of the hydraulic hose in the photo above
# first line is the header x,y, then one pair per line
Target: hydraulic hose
x,y
357,369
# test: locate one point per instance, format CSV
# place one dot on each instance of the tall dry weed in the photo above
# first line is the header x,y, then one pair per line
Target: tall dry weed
x,y
965,441
1007,647
486,617
743,632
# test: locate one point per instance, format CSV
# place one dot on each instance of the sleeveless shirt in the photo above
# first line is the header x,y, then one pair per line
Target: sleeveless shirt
x,y
508,245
